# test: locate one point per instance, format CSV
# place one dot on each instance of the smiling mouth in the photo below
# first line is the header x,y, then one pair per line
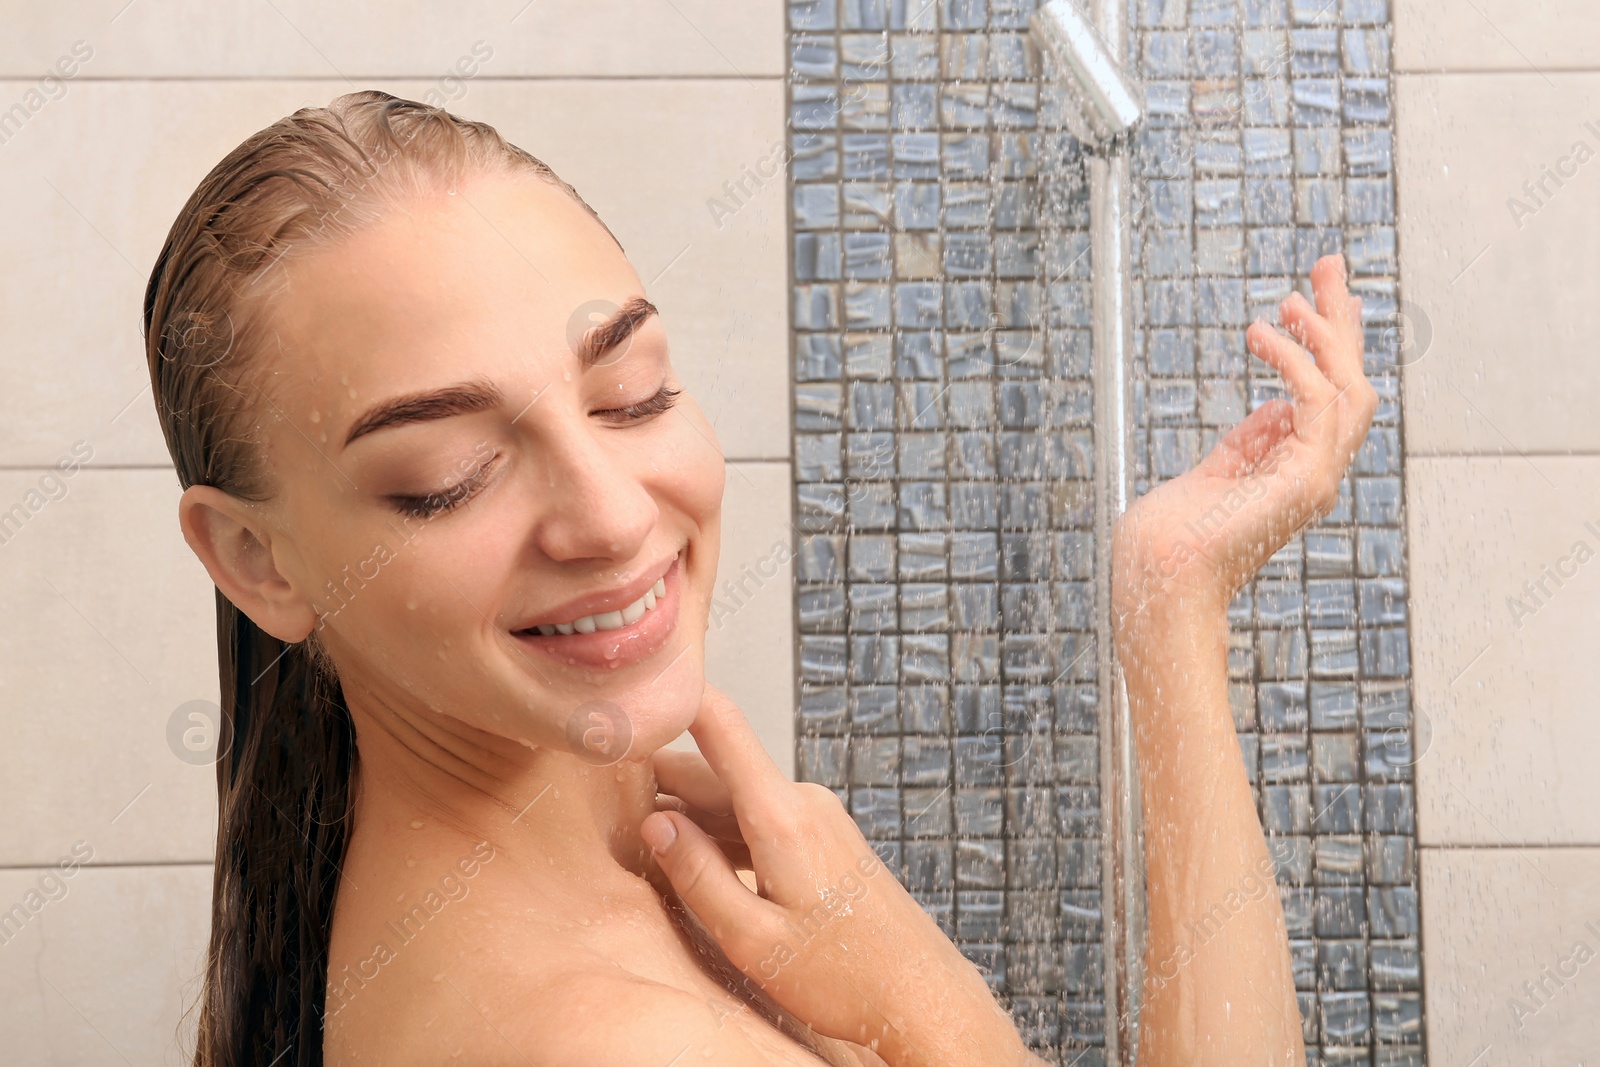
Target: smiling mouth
x,y
611,639
607,620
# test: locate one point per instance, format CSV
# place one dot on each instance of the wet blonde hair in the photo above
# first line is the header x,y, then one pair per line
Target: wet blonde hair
x,y
287,749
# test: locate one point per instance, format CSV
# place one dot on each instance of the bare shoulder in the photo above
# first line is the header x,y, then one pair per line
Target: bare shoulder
x,y
582,1018
481,985
615,1018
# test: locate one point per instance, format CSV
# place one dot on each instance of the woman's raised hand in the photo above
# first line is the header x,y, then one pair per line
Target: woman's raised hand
x,y
1202,535
831,934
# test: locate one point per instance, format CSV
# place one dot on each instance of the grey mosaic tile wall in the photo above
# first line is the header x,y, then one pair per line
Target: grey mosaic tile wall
x,y
943,455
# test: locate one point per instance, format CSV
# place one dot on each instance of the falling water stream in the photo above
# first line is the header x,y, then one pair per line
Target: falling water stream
x,y
950,663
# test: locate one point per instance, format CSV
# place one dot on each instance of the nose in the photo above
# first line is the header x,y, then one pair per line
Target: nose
x,y
588,498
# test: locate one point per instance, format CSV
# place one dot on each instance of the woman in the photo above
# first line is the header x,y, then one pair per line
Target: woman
x,y
463,522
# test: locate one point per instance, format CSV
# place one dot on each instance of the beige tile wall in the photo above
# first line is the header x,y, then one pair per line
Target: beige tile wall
x,y
1512,947
1503,494
646,106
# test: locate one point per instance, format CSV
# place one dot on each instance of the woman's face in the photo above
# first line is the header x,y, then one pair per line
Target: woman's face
x,y
460,458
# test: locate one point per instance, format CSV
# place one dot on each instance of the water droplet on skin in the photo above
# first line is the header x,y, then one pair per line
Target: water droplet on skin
x,y
411,862
316,416
416,824
411,605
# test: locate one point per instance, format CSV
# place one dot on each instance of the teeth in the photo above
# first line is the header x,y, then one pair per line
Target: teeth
x,y
609,620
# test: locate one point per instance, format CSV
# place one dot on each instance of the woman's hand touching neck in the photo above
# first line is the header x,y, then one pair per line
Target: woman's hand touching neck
x,y
542,809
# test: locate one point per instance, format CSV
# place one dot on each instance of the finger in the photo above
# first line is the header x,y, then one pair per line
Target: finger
x,y
723,831
1342,362
720,827
1313,331
733,751
1329,285
1242,449
1357,421
738,857
1313,394
701,874
688,775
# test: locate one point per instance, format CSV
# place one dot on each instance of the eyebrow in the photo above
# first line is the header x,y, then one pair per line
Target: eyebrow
x,y
466,398
599,340
463,398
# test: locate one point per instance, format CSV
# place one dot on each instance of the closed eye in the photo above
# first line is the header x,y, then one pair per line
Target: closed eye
x,y
663,400
448,499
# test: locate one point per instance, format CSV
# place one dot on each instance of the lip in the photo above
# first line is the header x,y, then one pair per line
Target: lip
x,y
606,649
597,603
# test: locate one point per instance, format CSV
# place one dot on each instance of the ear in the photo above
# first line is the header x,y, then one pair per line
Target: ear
x,y
234,542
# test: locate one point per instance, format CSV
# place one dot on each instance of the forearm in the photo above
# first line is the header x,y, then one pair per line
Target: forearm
x,y
960,1025
1219,989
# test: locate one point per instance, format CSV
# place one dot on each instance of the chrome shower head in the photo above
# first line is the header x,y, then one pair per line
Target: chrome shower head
x,y
1109,105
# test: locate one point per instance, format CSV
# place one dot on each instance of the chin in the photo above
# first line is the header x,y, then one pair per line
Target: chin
x,y
611,719
627,689
660,712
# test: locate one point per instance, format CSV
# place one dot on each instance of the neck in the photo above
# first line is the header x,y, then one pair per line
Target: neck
x,y
556,818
